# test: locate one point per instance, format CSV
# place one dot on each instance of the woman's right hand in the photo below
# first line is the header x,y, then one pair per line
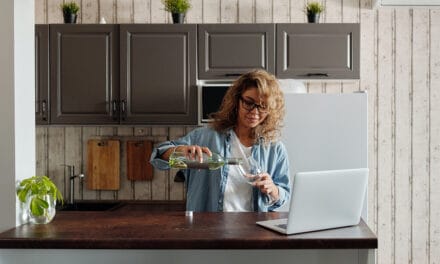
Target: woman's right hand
x,y
191,150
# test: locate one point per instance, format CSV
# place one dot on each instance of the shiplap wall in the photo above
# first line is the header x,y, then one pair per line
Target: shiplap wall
x,y
400,69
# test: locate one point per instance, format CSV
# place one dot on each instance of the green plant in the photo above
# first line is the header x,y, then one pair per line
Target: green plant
x,y
176,6
36,188
314,8
70,8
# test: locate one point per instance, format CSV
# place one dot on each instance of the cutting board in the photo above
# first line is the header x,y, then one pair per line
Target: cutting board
x,y
103,164
138,160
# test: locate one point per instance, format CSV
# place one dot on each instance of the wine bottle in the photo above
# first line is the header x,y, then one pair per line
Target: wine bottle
x,y
181,160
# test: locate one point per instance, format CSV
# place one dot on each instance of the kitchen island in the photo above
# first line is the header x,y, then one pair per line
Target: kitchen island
x,y
134,235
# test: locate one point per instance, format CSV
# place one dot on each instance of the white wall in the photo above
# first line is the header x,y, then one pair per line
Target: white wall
x,y
17,97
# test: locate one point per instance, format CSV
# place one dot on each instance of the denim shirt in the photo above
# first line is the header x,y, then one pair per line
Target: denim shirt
x,y
206,188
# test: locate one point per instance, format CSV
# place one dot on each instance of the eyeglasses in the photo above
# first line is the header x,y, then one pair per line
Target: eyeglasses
x,y
250,105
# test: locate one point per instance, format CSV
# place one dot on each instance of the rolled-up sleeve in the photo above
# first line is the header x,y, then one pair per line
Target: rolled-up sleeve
x,y
161,148
281,177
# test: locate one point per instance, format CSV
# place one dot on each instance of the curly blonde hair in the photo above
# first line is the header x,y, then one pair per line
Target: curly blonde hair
x,y
267,85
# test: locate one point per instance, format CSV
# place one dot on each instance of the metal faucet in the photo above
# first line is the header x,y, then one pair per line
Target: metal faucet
x,y
72,177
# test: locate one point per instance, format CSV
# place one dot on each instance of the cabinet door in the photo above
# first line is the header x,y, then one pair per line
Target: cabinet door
x,y
318,51
158,76
229,50
84,74
42,74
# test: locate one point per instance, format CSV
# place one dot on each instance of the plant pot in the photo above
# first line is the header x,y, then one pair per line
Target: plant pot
x,y
70,18
178,18
313,17
47,214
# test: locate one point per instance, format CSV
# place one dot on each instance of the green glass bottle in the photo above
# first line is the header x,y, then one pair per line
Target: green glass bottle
x,y
181,160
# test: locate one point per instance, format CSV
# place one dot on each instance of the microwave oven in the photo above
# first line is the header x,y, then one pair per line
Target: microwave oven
x,y
210,98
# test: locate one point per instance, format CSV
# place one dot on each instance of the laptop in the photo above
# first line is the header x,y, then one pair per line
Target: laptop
x,y
323,200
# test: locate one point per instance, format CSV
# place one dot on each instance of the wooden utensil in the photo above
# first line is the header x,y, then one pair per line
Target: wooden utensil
x,y
138,160
103,164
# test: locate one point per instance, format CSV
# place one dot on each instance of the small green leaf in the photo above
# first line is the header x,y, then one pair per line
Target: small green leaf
x,y
36,208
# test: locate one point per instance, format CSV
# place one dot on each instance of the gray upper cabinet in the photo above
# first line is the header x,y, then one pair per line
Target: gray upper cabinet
x,y
84,74
158,75
318,51
42,74
229,50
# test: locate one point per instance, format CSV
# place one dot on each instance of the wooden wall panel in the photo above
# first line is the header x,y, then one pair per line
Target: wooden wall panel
x,y
434,159
420,136
297,14
281,11
141,11
124,11
263,11
229,11
402,137
385,135
195,14
400,69
89,14
246,11
72,157
126,190
107,10
87,133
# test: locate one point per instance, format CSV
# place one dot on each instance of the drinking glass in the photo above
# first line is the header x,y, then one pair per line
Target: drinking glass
x,y
251,171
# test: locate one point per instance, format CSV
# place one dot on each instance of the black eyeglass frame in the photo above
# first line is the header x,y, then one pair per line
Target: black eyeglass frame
x,y
250,105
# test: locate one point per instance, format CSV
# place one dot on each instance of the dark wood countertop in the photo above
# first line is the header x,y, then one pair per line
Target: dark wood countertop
x,y
128,228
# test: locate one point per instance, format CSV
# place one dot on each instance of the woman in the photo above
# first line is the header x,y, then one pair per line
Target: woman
x,y
247,124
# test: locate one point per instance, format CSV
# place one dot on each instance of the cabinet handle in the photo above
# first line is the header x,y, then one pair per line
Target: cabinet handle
x,y
123,103
44,110
317,74
232,74
115,110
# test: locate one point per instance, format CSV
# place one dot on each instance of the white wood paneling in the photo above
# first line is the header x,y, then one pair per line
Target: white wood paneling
x,y
400,70
385,135
420,136
88,12
246,11
263,11
434,159
141,11
402,138
228,11
195,14
211,11
107,10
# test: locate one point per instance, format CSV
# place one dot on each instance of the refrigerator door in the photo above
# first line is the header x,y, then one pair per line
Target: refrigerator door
x,y
326,132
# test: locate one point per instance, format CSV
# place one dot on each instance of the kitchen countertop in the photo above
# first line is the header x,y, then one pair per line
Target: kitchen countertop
x,y
132,227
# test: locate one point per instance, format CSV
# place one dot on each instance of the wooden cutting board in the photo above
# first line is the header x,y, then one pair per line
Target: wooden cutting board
x,y
138,160
103,164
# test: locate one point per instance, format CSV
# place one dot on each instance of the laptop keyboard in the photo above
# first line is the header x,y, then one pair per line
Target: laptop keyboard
x,y
283,226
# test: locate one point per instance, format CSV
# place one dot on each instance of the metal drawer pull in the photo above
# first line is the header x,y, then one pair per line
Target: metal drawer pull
x,y
232,74
317,74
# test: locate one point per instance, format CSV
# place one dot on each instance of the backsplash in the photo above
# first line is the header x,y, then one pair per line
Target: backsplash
x,y
58,146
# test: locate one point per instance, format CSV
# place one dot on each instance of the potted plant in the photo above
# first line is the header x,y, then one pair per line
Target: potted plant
x,y
313,10
177,8
70,12
38,195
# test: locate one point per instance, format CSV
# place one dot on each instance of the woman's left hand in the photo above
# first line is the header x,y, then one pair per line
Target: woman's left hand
x,y
266,185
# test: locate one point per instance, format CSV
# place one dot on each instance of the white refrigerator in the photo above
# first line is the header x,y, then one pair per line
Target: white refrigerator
x,y
326,132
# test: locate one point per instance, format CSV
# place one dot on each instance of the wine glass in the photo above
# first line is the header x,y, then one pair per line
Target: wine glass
x,y
251,171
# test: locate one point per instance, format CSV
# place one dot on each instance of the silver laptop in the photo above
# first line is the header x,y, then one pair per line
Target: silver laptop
x,y
323,200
